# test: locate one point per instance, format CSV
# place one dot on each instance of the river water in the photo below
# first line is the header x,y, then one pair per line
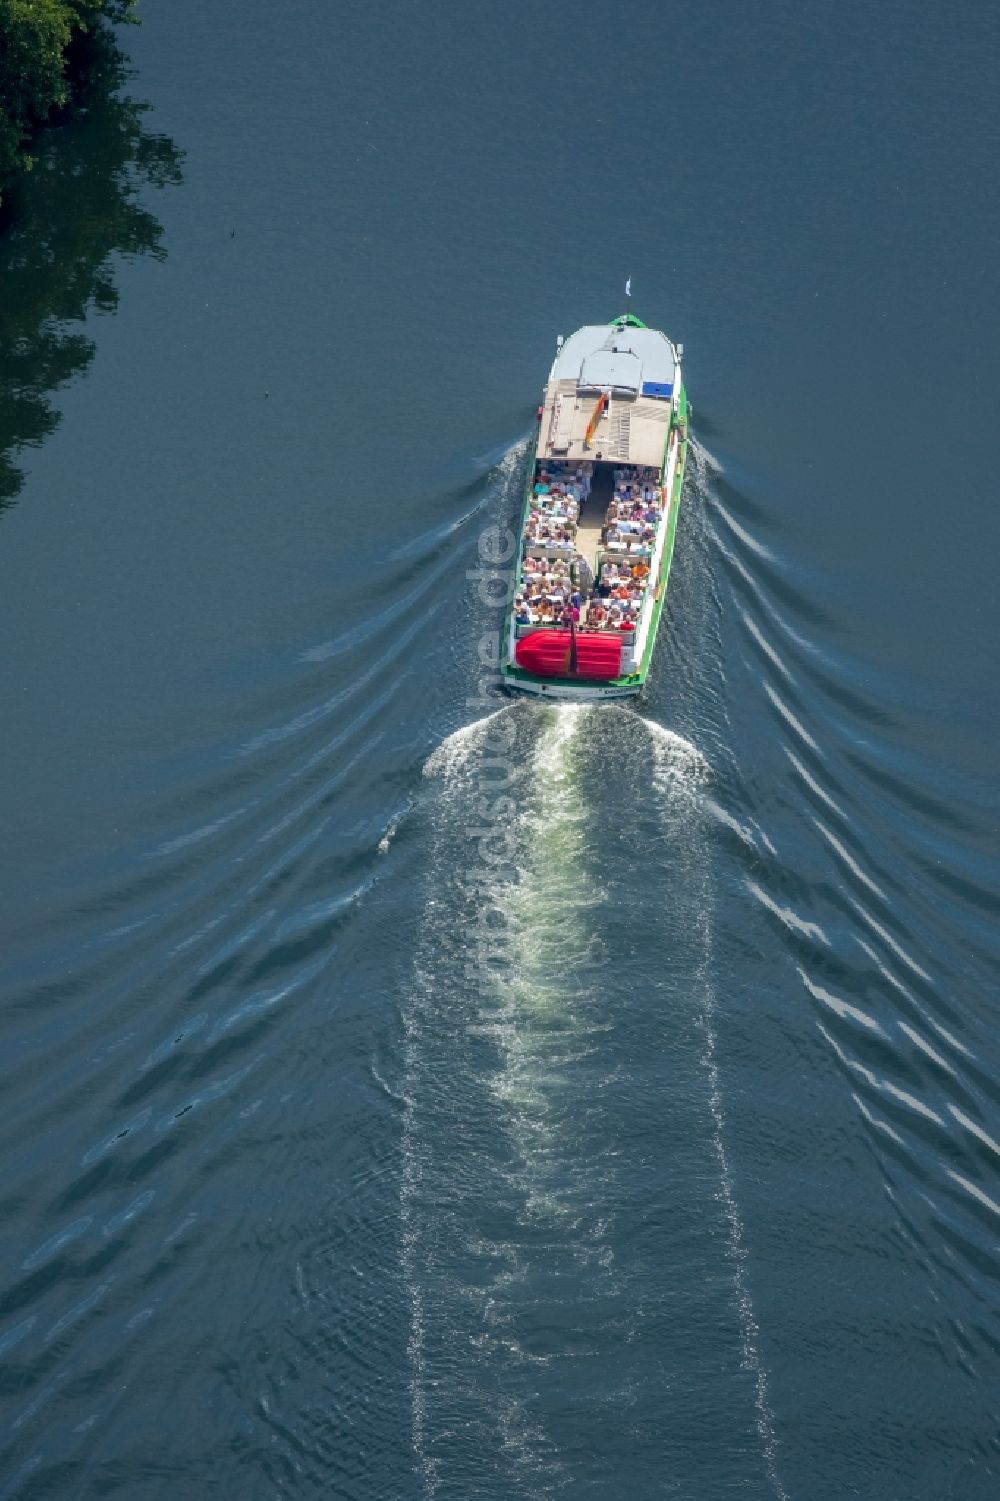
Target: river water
x,y
684,1182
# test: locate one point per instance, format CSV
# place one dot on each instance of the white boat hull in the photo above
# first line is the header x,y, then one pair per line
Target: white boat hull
x,y
553,688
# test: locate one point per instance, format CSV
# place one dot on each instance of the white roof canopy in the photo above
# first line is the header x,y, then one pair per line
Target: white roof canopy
x,y
625,357
619,369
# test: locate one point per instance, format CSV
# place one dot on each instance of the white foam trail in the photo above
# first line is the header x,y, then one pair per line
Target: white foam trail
x,y
548,1026
788,916
509,466
890,942
849,860
452,763
544,908
758,635
410,1257
550,754
538,1026
794,724
455,753
704,460
392,827
741,532
838,1005
680,771
742,831
680,767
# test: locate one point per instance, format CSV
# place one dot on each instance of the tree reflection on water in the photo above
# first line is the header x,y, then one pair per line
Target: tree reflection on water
x,y
65,224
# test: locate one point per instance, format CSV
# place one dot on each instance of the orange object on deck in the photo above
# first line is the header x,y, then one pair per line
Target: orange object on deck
x,y
602,402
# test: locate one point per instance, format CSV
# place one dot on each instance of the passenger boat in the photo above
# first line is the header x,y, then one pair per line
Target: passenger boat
x,y
600,515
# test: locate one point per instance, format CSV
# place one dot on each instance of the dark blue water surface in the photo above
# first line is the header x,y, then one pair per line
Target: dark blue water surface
x,y
364,1136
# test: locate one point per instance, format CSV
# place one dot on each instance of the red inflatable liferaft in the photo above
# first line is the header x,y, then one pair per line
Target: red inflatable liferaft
x,y
548,654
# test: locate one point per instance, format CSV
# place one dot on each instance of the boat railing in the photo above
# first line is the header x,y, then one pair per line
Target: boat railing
x,y
554,550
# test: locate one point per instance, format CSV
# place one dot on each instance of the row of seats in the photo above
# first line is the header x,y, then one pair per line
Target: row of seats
x,y
634,513
544,531
547,594
639,484
612,615
559,490
555,580
622,585
562,477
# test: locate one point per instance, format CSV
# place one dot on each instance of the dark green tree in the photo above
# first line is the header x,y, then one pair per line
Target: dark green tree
x,y
70,218
39,53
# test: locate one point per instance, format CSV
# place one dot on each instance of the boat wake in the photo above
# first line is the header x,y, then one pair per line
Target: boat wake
x,y
494,1198
525,1253
680,776
564,1106
455,755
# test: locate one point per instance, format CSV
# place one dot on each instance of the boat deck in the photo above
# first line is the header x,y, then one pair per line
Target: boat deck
x,y
592,520
607,516
600,514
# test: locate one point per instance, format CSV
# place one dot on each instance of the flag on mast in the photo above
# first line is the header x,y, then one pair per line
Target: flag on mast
x,y
628,287
599,410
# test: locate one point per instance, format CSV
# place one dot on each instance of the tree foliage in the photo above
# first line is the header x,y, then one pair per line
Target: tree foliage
x,y
38,39
84,208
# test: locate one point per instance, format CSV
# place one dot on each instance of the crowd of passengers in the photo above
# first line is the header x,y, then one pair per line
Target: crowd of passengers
x,y
559,491
550,596
549,599
557,591
620,594
634,513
